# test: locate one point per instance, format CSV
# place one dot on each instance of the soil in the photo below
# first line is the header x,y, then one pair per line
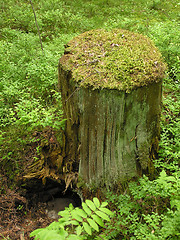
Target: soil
x,y
17,220
24,192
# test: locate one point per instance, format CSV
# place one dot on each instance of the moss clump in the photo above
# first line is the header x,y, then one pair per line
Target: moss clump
x,y
116,59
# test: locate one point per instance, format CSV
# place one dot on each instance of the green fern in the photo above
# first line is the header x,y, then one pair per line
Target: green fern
x,y
76,223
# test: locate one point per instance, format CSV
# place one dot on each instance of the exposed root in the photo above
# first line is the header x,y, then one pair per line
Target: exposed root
x,y
70,180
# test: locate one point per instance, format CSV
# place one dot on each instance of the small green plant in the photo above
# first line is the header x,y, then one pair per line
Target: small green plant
x,y
150,210
76,223
156,5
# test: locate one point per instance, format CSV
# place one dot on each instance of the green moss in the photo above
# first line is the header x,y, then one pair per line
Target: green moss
x,y
116,59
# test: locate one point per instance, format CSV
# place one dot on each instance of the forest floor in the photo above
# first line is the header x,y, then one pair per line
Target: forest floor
x,y
20,213
17,220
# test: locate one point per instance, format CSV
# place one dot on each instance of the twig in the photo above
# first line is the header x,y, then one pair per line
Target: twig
x,y
37,26
22,236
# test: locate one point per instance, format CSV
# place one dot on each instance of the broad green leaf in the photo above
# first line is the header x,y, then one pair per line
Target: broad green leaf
x,y
163,174
76,216
74,237
86,209
87,228
81,213
71,207
65,214
171,179
91,205
104,204
54,236
47,234
54,226
93,224
36,238
106,210
96,202
63,234
98,220
102,215
35,232
74,222
79,230
62,222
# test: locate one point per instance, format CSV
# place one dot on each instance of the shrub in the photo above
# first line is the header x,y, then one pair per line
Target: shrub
x,y
76,223
149,211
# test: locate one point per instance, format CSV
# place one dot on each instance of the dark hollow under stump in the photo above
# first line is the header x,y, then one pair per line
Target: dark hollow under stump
x,y
111,86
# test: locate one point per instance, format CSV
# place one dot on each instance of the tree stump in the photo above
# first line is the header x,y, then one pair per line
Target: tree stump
x,y
111,86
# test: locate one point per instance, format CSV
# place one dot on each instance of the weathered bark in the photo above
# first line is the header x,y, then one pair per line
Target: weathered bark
x,y
116,132
113,135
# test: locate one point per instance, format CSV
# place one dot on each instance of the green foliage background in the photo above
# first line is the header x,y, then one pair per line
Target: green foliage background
x,y
29,99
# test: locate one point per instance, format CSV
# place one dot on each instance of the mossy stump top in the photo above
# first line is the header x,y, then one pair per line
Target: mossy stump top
x,y
116,59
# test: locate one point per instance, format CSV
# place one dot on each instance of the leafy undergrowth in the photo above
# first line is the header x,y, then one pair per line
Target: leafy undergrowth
x,y
30,102
76,223
150,210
